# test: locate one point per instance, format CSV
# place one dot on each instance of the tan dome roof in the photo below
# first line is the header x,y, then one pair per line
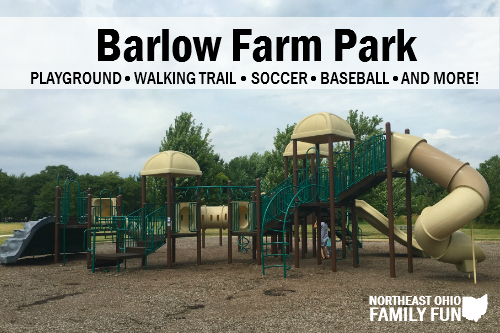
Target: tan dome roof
x,y
316,128
176,163
302,148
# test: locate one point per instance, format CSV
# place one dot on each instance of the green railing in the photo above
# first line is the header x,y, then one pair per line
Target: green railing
x,y
133,225
65,210
193,214
240,193
282,213
252,216
235,216
156,229
108,222
367,158
176,222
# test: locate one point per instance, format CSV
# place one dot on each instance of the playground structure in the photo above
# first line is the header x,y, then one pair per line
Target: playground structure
x,y
273,217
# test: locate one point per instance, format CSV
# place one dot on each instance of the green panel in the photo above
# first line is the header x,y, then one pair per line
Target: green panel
x,y
235,216
193,213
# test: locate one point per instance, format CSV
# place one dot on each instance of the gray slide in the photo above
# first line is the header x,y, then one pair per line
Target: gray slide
x,y
37,238
29,241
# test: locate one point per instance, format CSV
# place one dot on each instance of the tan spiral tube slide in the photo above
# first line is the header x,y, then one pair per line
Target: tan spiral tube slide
x,y
436,230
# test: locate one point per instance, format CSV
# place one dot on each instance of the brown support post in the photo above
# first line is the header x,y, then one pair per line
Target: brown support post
x,y
198,222
274,247
286,167
203,238
173,250
280,244
169,220
354,223
318,217
313,220
254,247
304,237
254,238
174,218
287,240
118,222
318,235
304,222
56,224
354,219
143,214
331,171
313,215
89,226
229,225
220,237
344,241
296,213
259,222
390,207
409,230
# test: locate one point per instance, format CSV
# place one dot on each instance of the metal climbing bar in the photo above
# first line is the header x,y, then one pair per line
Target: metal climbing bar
x,y
241,193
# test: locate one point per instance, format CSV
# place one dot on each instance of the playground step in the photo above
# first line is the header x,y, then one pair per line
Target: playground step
x,y
118,256
361,187
136,249
104,263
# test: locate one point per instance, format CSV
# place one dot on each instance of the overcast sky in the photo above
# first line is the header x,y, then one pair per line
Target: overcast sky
x,y
118,130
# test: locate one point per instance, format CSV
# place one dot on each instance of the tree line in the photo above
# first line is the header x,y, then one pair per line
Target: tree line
x,y
32,197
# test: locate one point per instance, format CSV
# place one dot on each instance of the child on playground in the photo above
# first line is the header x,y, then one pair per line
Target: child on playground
x,y
325,254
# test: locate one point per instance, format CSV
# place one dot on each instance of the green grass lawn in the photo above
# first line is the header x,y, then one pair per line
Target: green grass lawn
x,y
8,229
481,231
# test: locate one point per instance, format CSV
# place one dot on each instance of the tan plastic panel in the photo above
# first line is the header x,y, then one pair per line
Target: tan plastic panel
x,y
452,213
435,248
381,223
213,217
434,164
436,228
171,162
209,215
402,145
302,149
105,207
184,215
460,250
244,216
316,128
469,177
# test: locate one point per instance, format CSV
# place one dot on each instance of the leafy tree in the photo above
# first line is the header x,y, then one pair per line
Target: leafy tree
x,y
7,189
363,127
425,193
41,195
188,137
244,170
490,170
274,159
